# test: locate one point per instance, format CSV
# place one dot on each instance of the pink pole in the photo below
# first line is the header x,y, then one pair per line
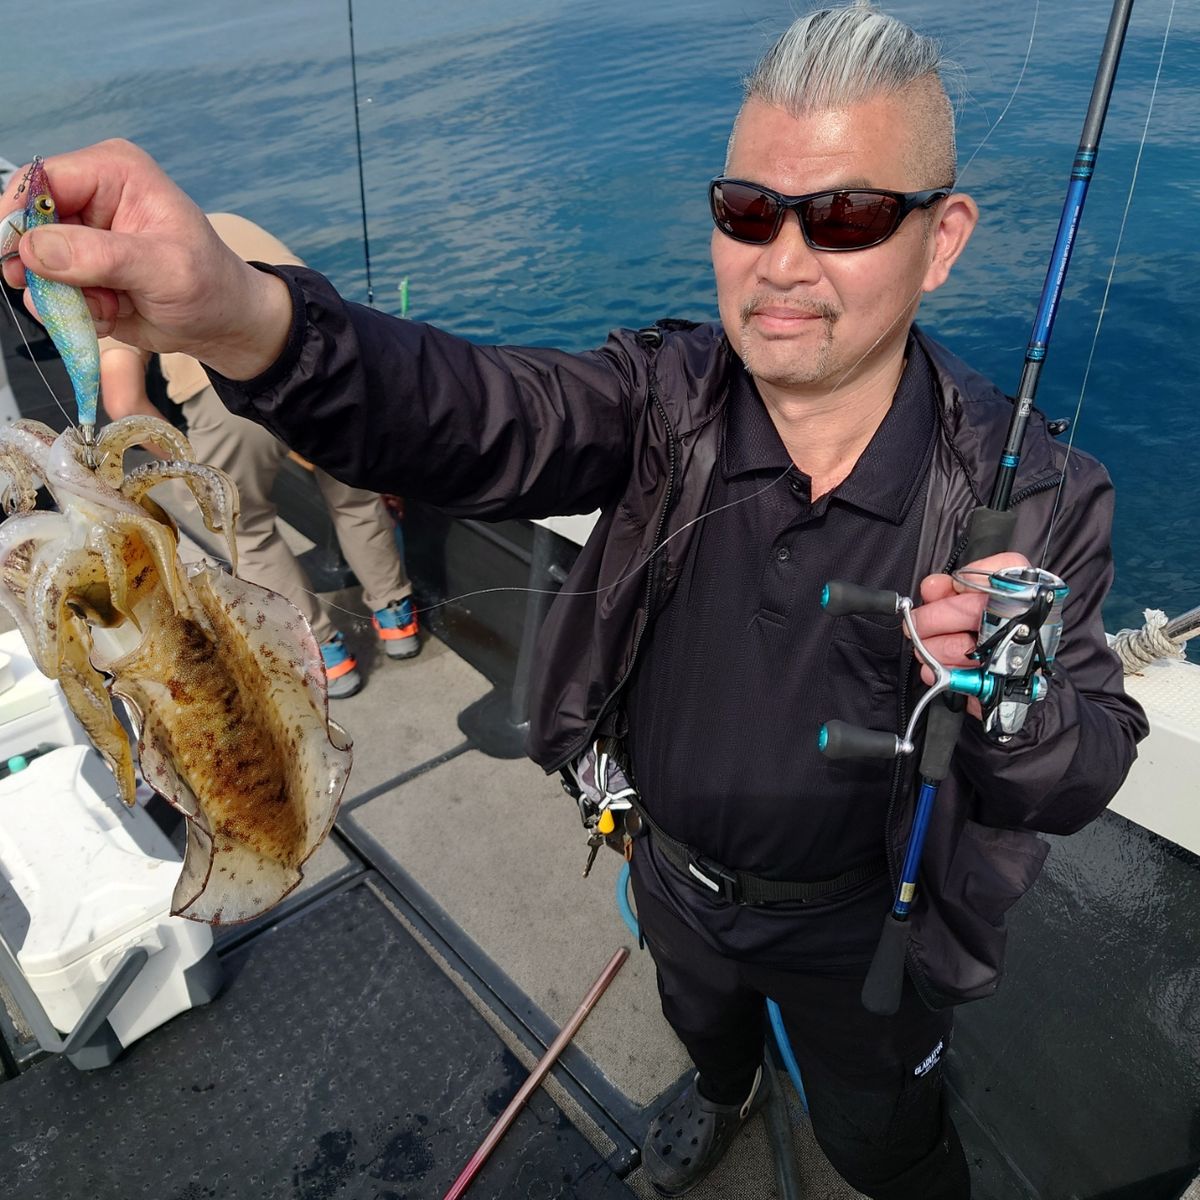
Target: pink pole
x,y
560,1043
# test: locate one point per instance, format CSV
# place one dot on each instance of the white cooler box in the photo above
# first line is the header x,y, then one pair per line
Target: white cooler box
x,y
32,708
85,894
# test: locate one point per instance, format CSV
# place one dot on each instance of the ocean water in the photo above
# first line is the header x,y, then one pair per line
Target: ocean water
x,y
537,173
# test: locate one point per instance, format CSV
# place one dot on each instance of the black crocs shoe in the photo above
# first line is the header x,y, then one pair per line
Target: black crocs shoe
x,y
688,1138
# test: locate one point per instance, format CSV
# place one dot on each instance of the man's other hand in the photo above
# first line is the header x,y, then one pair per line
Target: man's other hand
x,y
947,619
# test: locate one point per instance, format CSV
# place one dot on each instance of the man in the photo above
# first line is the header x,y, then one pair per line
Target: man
x,y
813,433
253,458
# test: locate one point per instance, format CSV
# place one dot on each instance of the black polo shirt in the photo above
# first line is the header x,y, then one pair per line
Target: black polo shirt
x,y
744,666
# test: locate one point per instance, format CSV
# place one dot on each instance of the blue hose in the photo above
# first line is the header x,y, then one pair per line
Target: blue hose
x,y
776,1017
785,1051
623,905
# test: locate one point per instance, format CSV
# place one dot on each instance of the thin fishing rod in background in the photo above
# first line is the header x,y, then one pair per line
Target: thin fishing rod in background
x,y
1022,624
362,187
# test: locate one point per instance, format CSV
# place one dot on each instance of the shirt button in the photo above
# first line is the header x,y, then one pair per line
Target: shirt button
x,y
797,486
783,554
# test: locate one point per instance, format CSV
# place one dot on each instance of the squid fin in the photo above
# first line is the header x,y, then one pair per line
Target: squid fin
x,y
239,884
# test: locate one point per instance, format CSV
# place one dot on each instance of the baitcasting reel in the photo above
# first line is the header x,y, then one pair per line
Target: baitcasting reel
x,y
1018,638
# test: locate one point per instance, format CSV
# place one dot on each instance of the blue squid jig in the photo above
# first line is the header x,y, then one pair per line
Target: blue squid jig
x,y
62,308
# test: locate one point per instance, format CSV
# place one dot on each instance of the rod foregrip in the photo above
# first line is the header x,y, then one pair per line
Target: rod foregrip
x,y
942,727
989,532
840,599
885,979
839,739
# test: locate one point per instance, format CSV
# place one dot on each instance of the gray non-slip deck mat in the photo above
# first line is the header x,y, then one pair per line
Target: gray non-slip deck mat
x,y
339,1063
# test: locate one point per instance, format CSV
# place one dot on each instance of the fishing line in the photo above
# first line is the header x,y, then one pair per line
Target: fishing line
x,y
1112,270
36,366
1037,8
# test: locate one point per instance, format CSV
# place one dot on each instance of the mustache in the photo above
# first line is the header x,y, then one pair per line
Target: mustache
x,y
807,308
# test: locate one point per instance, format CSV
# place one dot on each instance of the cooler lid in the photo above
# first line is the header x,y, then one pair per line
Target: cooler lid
x,y
24,688
77,868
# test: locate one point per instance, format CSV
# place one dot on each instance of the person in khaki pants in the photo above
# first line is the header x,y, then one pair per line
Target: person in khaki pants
x,y
252,457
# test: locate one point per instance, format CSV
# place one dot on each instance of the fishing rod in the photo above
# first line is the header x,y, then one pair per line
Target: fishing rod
x,y
1060,258
1022,624
362,184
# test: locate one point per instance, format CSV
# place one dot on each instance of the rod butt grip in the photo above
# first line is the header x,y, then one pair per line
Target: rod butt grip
x,y
885,980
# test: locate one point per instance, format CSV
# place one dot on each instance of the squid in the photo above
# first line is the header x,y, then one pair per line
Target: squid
x,y
222,680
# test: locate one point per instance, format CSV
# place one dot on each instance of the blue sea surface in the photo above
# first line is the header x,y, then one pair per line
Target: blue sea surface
x,y
537,173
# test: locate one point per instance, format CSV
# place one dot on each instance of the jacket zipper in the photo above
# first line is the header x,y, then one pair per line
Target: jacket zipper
x,y
651,570
924,989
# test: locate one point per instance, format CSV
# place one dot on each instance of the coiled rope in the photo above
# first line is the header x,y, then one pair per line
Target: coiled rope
x,y
1138,648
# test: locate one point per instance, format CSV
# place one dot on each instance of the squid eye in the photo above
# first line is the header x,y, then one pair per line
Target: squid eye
x,y
44,204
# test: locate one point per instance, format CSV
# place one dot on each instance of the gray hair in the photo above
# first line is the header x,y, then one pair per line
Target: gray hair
x,y
837,57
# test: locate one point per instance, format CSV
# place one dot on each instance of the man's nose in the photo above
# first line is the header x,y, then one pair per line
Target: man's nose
x,y
789,259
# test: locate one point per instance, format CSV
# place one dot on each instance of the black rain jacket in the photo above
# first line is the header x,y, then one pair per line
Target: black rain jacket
x,y
632,429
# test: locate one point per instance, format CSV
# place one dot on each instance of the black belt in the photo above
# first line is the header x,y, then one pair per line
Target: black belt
x,y
740,887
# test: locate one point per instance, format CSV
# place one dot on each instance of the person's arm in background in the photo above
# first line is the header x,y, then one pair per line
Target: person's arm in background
x,y
123,384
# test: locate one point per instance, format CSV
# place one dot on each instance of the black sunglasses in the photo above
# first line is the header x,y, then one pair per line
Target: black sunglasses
x,y
842,219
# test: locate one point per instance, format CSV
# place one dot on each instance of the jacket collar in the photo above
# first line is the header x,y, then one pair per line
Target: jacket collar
x,y
975,416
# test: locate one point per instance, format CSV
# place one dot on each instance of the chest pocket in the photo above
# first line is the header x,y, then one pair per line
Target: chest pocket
x,y
862,667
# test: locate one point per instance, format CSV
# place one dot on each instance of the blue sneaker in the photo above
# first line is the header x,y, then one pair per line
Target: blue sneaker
x,y
396,626
341,668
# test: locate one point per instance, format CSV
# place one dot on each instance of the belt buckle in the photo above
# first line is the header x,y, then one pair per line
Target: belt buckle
x,y
714,877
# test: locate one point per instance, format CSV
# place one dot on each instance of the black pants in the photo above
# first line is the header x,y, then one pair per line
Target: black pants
x,y
874,1084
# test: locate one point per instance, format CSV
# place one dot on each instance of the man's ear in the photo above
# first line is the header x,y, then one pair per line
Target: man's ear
x,y
955,223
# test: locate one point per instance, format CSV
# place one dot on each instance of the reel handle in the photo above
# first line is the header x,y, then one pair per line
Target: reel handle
x,y
839,739
840,599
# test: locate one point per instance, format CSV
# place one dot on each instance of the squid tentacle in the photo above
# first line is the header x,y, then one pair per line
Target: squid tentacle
x,y
61,650
214,491
32,432
24,455
49,595
75,486
132,564
139,430
20,541
86,693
